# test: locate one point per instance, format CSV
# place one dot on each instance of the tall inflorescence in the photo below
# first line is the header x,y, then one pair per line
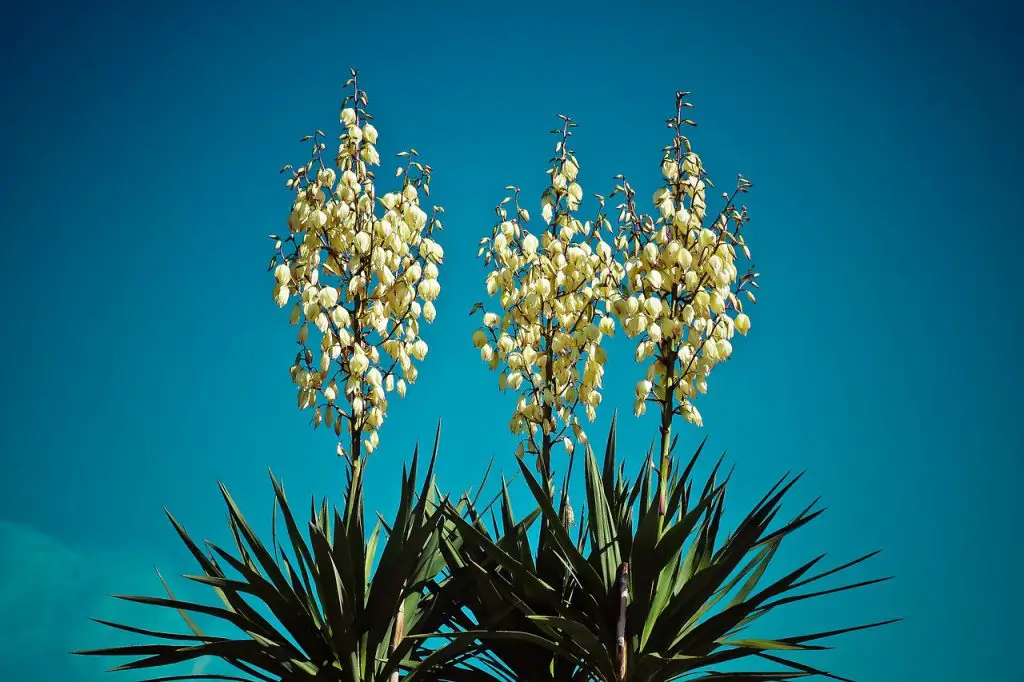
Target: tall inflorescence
x,y
554,291
362,270
681,296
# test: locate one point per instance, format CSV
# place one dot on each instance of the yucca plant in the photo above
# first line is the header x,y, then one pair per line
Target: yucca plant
x,y
333,614
644,589
635,603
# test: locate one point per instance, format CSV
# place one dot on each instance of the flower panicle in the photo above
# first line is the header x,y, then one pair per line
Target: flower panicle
x,y
553,287
360,271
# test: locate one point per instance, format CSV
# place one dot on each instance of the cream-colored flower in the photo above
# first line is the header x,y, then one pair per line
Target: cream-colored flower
x,y
670,169
358,364
281,294
328,297
530,244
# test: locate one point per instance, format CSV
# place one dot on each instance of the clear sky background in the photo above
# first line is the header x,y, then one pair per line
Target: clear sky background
x,y
143,359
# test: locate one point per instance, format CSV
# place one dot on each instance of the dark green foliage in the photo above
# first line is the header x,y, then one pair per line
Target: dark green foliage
x,y
337,613
476,594
553,613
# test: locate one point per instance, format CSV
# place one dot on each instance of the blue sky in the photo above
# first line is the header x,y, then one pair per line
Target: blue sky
x,y
144,359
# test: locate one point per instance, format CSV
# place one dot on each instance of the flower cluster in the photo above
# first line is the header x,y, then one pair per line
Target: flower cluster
x,y
553,291
682,281
362,270
670,281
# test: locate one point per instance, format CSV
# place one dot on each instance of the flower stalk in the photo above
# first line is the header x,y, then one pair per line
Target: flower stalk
x,y
621,653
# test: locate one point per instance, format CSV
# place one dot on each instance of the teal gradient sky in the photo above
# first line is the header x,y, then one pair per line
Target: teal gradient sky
x,y
143,359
